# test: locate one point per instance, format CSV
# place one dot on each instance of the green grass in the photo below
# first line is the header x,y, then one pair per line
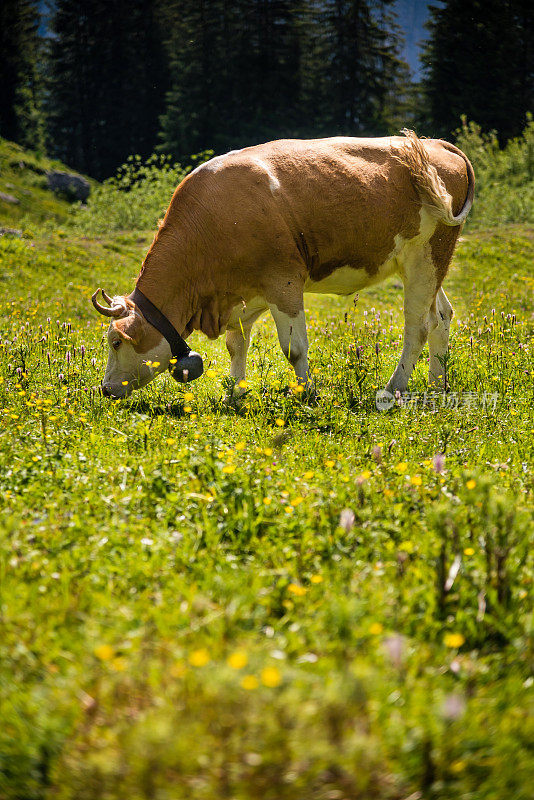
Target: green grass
x,y
277,601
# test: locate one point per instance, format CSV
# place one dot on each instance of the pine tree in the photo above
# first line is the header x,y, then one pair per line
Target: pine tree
x,y
252,70
21,117
193,46
479,61
236,73
107,82
361,75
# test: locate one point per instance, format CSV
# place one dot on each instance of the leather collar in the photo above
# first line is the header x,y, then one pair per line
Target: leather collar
x,y
154,316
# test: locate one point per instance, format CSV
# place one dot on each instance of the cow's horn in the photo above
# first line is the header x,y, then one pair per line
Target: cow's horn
x,y
113,311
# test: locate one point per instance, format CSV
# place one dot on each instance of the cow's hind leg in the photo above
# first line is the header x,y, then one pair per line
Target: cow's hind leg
x,y
237,344
420,286
293,340
438,342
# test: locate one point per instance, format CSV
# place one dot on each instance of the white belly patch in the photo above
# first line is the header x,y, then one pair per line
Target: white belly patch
x,y
347,280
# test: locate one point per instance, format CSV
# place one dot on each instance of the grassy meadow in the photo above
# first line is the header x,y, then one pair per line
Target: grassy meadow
x,y
279,600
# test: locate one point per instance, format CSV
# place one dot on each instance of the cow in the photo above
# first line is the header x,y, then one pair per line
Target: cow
x,y
254,229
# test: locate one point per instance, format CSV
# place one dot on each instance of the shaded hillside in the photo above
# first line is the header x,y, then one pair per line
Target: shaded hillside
x,y
23,179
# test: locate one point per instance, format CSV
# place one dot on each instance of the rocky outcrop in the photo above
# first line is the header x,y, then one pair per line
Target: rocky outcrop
x,y
74,186
8,198
13,233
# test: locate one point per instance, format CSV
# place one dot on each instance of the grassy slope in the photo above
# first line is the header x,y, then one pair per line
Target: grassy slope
x,y
149,550
22,175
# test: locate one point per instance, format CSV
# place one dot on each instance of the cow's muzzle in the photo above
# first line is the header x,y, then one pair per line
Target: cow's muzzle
x,y
107,391
188,368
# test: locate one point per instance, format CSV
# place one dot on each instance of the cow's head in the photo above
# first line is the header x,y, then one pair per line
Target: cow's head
x,y
137,351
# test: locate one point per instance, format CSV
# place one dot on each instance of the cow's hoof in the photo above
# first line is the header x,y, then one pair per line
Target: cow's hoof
x,y
309,396
234,400
305,392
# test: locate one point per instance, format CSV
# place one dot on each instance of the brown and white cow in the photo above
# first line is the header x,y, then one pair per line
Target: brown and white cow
x,y
256,228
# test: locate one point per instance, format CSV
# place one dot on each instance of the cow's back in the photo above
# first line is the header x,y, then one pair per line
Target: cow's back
x,y
333,202
300,209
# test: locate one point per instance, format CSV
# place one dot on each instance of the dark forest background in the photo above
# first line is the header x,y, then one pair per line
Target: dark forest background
x,y
95,81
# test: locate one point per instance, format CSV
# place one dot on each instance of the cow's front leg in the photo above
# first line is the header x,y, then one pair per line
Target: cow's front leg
x,y
293,340
237,344
419,319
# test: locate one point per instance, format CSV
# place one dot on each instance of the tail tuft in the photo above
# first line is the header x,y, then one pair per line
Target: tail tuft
x,y
429,185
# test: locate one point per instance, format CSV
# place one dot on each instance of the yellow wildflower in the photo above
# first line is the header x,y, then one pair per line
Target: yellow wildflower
x,y
453,640
296,589
270,676
376,629
249,682
237,660
199,658
104,652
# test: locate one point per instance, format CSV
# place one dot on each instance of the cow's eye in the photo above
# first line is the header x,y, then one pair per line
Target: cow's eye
x,y
116,344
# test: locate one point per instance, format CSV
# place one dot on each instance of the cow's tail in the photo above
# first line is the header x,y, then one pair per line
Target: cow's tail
x,y
429,185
